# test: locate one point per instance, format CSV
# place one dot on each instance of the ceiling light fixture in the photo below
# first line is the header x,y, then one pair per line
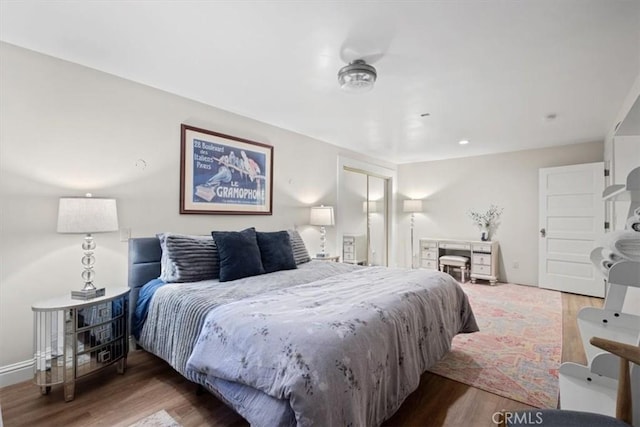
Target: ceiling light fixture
x,y
358,76
463,142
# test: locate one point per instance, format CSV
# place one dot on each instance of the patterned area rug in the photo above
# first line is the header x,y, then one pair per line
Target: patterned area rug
x,y
157,419
518,350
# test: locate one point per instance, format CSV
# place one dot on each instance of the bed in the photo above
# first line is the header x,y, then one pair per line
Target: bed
x,y
324,343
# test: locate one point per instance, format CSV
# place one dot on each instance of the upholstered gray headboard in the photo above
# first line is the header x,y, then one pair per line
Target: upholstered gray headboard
x,y
144,265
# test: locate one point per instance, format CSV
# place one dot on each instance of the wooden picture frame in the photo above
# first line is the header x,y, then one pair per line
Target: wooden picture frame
x,y
223,174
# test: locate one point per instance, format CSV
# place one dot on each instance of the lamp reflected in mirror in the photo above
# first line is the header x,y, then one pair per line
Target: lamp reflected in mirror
x,y
412,206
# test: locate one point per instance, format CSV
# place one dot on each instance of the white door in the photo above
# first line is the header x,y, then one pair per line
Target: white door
x,y
571,220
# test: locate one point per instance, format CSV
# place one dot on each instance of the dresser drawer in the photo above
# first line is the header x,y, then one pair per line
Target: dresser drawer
x,y
458,246
348,256
481,269
94,315
429,254
428,245
482,259
429,264
479,247
348,240
348,249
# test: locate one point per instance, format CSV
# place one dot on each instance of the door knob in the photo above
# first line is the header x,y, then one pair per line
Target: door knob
x,y
543,232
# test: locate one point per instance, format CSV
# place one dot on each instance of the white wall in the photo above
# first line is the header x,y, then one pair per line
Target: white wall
x,y
67,130
450,188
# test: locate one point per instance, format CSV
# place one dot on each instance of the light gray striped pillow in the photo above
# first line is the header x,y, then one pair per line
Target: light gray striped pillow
x,y
300,253
188,258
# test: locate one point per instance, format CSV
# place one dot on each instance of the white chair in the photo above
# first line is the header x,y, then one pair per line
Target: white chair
x,y
461,262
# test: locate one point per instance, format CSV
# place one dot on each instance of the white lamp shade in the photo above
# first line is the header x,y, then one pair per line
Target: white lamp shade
x,y
321,215
87,215
412,206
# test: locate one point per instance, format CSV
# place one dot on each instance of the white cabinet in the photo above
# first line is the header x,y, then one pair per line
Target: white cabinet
x,y
354,249
429,254
484,261
483,256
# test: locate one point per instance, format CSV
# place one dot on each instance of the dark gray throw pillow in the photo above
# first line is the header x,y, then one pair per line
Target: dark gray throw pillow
x,y
275,251
300,253
239,254
188,258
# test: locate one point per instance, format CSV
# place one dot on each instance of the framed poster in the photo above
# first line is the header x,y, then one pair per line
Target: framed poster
x,y
222,174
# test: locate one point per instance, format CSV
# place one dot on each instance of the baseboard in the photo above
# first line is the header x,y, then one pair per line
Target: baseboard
x,y
16,373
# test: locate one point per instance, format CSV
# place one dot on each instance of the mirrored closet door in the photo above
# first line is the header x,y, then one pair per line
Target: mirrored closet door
x,y
364,215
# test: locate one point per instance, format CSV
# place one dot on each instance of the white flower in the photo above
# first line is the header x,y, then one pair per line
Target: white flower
x,y
488,218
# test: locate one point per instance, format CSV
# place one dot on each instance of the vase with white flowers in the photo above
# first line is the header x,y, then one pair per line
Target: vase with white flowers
x,y
486,221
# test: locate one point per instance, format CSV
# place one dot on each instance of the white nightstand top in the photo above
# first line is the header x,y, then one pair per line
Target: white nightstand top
x,y
67,302
334,258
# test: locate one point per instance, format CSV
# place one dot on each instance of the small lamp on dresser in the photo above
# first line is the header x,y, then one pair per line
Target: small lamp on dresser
x,y
87,215
322,216
412,206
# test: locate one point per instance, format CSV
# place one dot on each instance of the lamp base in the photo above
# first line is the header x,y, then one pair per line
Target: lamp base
x,y
322,255
88,294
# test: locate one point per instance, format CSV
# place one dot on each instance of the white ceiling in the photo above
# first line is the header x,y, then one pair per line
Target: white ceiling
x,y
487,71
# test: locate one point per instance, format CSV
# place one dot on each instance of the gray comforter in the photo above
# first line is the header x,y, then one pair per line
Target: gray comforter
x,y
343,351
177,311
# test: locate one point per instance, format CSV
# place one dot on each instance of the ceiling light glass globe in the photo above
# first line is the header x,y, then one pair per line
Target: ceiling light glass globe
x,y
358,76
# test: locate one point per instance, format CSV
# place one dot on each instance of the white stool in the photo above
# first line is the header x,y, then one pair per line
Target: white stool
x,y
455,261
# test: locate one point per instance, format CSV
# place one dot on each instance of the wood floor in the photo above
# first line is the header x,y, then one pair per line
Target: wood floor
x,y
149,385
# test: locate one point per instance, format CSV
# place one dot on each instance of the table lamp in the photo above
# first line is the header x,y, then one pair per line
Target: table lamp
x,y
87,215
322,216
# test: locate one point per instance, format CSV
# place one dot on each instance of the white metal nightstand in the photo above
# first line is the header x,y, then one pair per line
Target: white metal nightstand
x,y
74,338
